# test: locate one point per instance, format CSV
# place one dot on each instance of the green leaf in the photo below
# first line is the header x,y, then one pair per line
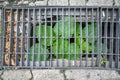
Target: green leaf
x,y
72,54
84,45
60,48
65,28
90,32
78,30
102,60
39,51
43,33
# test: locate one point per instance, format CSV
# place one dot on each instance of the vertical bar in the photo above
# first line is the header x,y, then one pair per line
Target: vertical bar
x,y
111,37
119,40
17,52
69,36
63,37
34,51
92,14
57,39
11,38
3,36
40,15
23,33
98,38
45,36
75,53
117,54
28,39
86,15
81,36
51,37
105,34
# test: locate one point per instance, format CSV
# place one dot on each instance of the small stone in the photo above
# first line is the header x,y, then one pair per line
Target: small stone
x,y
47,75
58,2
16,75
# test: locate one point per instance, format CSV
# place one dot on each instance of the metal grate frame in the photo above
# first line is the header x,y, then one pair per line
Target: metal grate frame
x,y
19,34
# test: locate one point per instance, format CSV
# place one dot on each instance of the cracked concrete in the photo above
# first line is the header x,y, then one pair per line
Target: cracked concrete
x,y
45,74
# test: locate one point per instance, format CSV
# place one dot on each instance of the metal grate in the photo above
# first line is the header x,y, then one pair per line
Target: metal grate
x,y
61,37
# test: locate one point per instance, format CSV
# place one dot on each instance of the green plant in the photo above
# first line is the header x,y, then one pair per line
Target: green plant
x,y
74,52
102,60
40,52
43,33
65,27
60,47
83,45
90,32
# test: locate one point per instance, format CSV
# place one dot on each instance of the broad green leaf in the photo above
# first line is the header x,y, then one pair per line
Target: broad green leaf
x,y
72,53
60,48
84,46
78,30
90,32
64,27
39,51
43,33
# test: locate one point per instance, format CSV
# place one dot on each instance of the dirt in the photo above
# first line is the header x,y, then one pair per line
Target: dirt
x,y
11,39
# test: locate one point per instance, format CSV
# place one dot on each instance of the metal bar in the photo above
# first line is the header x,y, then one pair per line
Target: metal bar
x,y
39,58
63,21
17,26
51,64
111,39
92,36
81,36
86,12
23,36
28,39
45,35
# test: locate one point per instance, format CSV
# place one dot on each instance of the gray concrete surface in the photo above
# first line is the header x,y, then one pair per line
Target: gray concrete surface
x,y
99,3
58,2
77,2
47,75
16,75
